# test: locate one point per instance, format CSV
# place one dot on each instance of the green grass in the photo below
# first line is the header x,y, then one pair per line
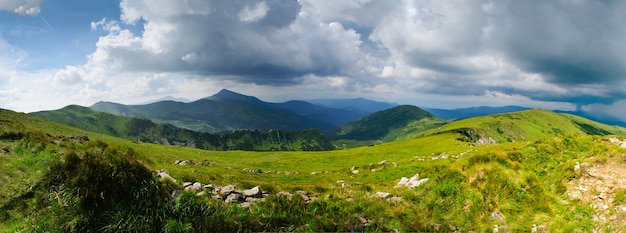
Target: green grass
x,y
49,179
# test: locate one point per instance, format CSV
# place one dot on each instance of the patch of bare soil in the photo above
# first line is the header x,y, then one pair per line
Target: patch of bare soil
x,y
597,186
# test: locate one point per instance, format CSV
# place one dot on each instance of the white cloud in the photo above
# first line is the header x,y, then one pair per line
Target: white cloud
x,y
254,13
22,7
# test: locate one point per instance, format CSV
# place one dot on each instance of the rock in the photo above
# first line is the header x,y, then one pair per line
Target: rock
x,y
383,195
208,187
164,175
226,190
286,194
413,182
187,184
244,204
395,199
355,171
497,215
253,192
234,198
383,162
403,181
375,169
177,162
344,185
197,186
305,196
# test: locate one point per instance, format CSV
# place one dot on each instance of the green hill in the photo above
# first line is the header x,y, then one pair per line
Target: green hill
x,y
527,125
55,178
387,125
144,130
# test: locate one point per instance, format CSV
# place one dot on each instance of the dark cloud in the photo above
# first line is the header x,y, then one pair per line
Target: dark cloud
x,y
263,42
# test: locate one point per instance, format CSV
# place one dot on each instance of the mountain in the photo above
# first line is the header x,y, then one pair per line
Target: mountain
x,y
462,113
358,104
224,111
168,98
526,125
387,125
144,130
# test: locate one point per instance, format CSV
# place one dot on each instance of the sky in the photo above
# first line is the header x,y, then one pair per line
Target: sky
x,y
558,54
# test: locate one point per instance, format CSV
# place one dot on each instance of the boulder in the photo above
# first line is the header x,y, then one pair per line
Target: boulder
x,y
253,192
226,190
305,196
234,198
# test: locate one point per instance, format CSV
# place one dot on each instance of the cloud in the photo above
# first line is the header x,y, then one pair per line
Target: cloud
x,y
266,42
466,47
22,7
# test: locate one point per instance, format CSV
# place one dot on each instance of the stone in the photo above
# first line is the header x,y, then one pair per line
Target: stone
x,y
286,194
383,195
226,190
383,162
395,199
403,181
187,184
355,171
208,187
305,196
164,175
234,198
253,192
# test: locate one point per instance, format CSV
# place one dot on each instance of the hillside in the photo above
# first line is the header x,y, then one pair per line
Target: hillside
x,y
387,125
55,178
144,130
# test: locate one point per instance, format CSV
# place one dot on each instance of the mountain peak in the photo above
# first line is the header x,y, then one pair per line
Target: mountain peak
x,y
226,94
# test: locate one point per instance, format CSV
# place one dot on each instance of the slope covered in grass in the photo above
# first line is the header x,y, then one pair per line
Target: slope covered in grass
x,y
49,184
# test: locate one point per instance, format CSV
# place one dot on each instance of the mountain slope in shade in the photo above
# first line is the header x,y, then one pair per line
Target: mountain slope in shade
x,y
225,111
387,125
144,130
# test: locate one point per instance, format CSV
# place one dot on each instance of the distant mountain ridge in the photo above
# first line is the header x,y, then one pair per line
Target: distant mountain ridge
x,y
228,110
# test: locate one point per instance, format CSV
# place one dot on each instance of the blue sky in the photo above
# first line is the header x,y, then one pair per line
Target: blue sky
x,y
444,54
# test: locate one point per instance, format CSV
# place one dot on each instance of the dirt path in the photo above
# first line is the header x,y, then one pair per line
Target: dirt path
x,y
597,186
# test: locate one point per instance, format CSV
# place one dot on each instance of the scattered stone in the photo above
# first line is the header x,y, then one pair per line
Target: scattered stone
x,y
383,195
375,169
253,192
184,162
187,184
208,187
164,175
286,194
304,194
383,162
344,185
234,198
496,215
413,182
355,171
226,190
395,199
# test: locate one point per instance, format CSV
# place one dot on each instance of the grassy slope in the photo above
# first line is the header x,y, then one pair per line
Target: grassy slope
x,y
528,125
523,180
